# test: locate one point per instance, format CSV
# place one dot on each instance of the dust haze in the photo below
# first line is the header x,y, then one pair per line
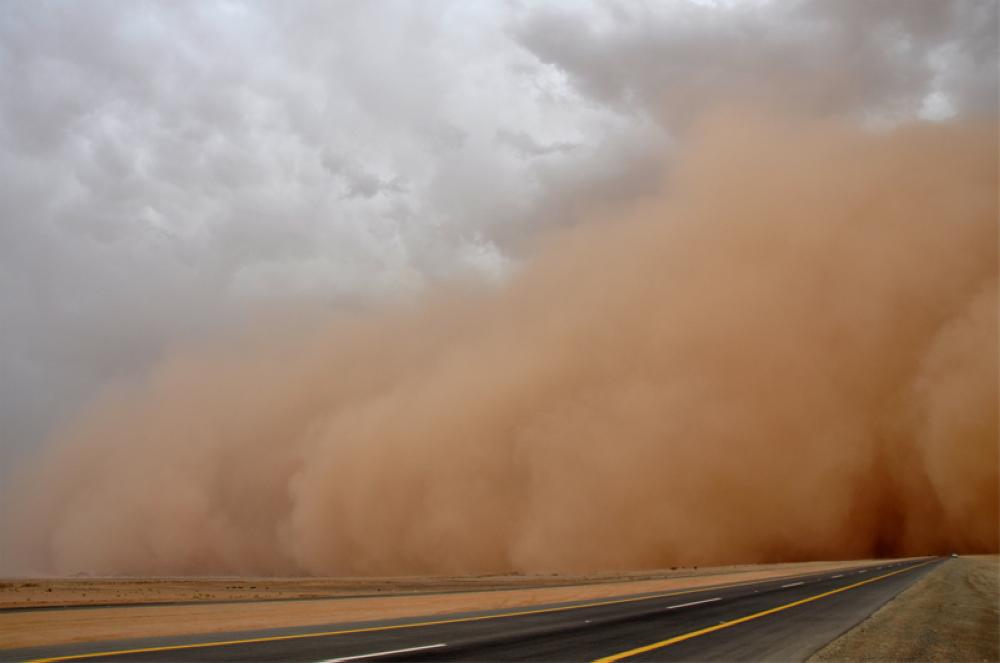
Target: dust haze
x,y
790,354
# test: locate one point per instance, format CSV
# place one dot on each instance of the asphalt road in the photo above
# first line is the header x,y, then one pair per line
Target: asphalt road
x,y
785,619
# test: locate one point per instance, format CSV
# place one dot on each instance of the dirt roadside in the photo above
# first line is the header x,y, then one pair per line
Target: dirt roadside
x,y
86,624
80,591
952,614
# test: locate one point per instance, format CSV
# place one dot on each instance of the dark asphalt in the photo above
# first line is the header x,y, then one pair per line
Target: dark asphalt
x,y
577,632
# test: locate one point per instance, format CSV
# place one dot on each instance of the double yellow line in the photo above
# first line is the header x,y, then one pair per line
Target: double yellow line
x,y
757,615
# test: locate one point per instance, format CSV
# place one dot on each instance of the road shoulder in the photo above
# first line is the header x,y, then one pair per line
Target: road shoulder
x,y
951,614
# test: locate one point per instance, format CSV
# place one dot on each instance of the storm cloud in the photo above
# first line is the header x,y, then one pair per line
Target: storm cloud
x,y
176,175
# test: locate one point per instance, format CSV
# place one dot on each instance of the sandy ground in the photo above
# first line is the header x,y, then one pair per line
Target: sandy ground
x,y
38,592
27,628
951,614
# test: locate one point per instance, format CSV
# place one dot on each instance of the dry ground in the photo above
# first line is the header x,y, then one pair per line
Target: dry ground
x,y
27,628
38,592
950,615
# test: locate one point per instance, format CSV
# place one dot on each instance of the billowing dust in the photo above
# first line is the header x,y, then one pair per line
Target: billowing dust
x,y
791,354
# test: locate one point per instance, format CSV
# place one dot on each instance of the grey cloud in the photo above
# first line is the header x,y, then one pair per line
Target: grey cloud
x,y
820,56
166,169
357,181
169,169
526,146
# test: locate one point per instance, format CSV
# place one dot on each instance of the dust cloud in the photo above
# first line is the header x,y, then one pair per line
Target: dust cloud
x,y
791,354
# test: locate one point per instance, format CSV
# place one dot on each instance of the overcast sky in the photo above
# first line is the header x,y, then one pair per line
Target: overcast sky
x,y
167,169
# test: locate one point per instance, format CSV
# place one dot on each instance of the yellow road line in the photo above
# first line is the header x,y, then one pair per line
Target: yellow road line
x,y
747,618
370,629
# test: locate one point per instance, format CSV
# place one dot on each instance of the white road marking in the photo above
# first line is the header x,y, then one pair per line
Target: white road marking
x,y
381,653
839,575
792,584
863,571
684,605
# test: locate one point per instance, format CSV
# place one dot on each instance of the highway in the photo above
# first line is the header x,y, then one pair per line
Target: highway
x,y
779,619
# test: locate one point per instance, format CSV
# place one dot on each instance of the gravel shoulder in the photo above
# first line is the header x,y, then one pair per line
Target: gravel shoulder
x,y
951,614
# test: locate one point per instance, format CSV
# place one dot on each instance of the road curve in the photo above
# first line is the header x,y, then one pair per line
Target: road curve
x,y
787,619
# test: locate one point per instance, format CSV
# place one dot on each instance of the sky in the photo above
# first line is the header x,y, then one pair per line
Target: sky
x,y
173,170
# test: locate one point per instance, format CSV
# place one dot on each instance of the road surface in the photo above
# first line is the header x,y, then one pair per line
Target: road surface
x,y
784,619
